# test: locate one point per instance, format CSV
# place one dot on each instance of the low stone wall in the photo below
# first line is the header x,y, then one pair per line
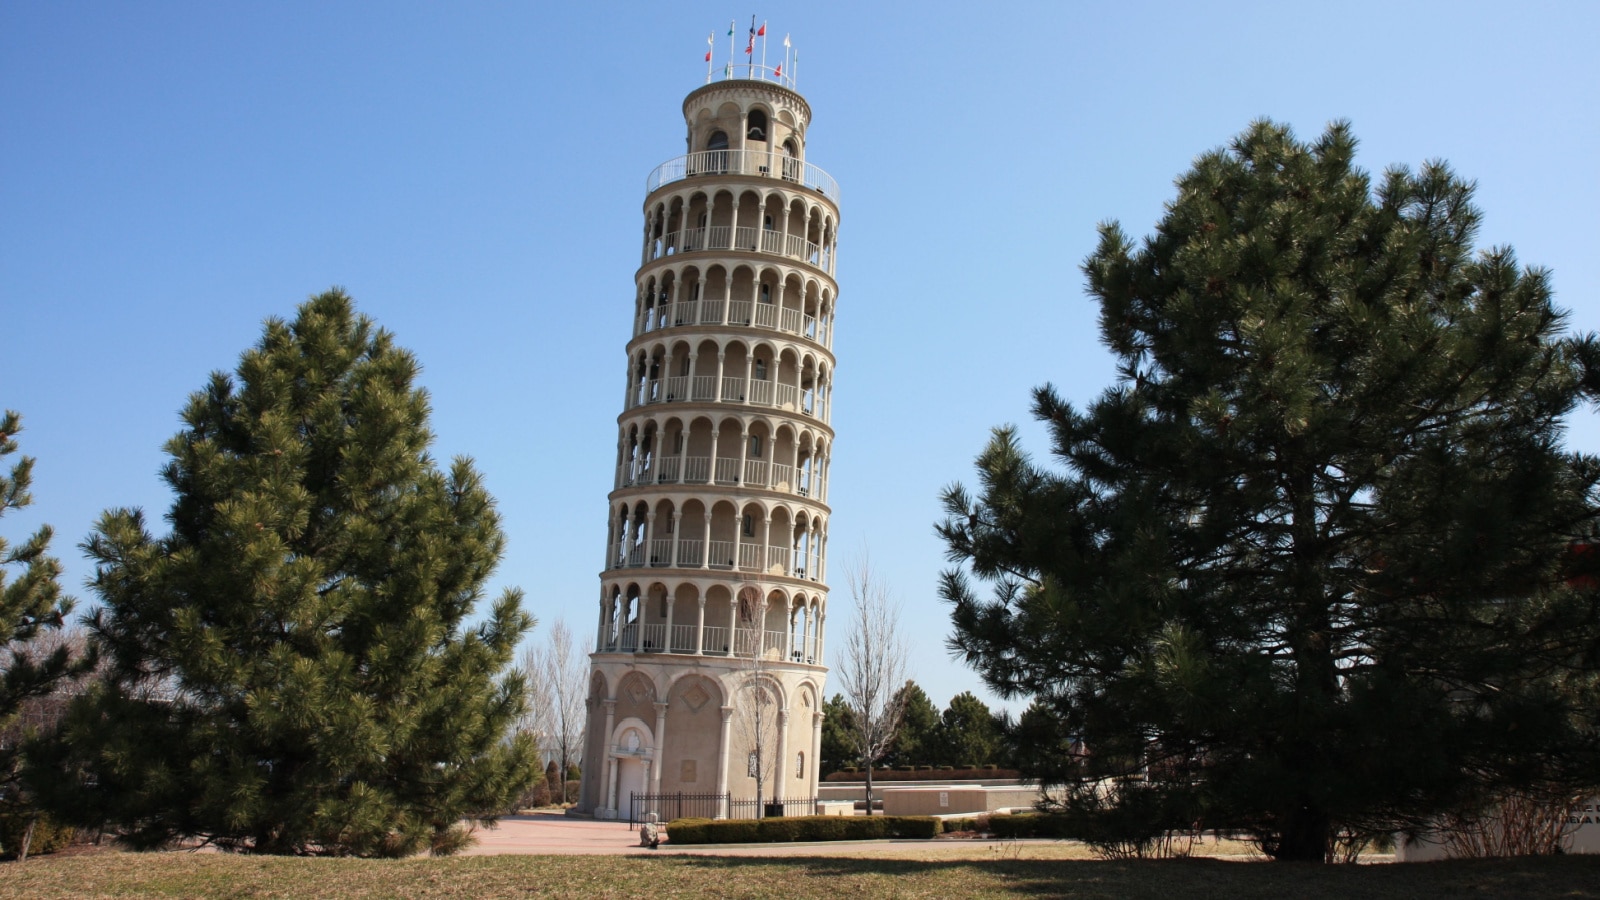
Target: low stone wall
x,y
956,800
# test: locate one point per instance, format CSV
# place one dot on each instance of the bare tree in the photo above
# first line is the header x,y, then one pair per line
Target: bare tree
x,y
872,668
557,674
756,700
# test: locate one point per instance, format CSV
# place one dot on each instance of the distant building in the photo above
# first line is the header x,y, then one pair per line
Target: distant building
x,y
716,548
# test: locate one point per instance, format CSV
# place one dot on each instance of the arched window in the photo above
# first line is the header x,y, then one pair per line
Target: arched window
x,y
758,126
717,141
761,369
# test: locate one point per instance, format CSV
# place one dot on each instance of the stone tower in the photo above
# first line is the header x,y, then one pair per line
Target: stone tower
x,y
707,668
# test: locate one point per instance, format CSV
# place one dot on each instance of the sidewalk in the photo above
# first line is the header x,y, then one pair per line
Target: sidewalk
x,y
550,833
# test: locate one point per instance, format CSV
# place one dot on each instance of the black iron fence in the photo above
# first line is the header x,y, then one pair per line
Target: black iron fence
x,y
712,806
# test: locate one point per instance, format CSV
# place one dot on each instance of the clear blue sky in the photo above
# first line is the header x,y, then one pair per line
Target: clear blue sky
x,y
473,173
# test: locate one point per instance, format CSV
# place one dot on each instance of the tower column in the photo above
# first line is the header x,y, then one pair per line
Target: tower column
x,y
816,753
722,755
611,758
705,548
666,642
782,767
700,628
659,747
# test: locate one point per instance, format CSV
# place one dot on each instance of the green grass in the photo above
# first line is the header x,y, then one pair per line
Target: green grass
x,y
792,878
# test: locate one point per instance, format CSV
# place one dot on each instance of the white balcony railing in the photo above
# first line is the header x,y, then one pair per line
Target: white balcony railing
x,y
760,163
758,473
725,237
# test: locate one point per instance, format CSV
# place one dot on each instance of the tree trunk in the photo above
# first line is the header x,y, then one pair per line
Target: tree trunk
x,y
1305,835
27,840
869,788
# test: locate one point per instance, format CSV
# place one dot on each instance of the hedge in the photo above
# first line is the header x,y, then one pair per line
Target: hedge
x,y
48,837
800,828
1033,825
965,773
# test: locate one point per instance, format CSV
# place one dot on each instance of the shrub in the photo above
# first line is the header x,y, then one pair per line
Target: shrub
x,y
911,826
1031,825
48,837
952,826
689,831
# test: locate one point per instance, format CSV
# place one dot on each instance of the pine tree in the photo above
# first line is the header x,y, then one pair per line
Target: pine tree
x,y
919,725
837,725
967,734
292,669
31,605
1306,567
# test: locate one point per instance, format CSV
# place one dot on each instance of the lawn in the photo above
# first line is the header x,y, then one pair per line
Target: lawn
x,y
792,878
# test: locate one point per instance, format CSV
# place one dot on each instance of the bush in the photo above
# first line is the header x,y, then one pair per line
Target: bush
x,y
1032,825
951,826
48,837
800,828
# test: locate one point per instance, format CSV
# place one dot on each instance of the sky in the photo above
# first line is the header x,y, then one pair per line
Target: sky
x,y
172,174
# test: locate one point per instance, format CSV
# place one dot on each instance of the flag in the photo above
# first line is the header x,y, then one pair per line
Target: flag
x,y
710,43
763,31
750,47
778,72
708,56
786,40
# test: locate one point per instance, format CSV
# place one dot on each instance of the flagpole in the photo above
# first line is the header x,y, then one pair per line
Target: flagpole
x,y
763,51
711,44
786,58
732,23
794,75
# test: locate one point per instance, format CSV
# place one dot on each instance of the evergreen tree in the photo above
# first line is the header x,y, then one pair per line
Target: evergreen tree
x,y
918,732
967,734
291,667
1306,564
838,724
31,604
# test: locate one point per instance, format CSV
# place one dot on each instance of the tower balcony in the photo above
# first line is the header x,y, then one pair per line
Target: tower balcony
x,y
743,237
791,398
711,640
769,316
800,480
756,163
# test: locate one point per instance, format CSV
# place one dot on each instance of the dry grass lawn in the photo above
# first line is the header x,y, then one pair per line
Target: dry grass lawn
x,y
171,875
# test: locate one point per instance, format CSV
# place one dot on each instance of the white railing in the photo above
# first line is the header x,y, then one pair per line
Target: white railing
x,y
669,469
689,553
705,387
661,551
678,387
787,396
722,554
761,392
747,641
755,472
761,163
732,389
697,469
750,557
782,477
636,556
724,237
778,558
740,312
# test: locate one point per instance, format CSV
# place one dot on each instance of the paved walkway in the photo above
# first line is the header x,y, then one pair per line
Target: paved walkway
x,y
549,833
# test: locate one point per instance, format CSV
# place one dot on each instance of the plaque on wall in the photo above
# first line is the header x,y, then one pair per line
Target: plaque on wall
x,y
686,772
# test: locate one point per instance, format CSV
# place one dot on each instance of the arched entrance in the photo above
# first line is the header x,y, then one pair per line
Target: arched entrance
x,y
632,752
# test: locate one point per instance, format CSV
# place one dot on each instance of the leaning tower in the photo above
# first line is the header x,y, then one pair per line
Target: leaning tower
x,y
707,670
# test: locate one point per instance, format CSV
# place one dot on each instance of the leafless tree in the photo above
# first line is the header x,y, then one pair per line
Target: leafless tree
x,y
756,702
557,675
873,667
